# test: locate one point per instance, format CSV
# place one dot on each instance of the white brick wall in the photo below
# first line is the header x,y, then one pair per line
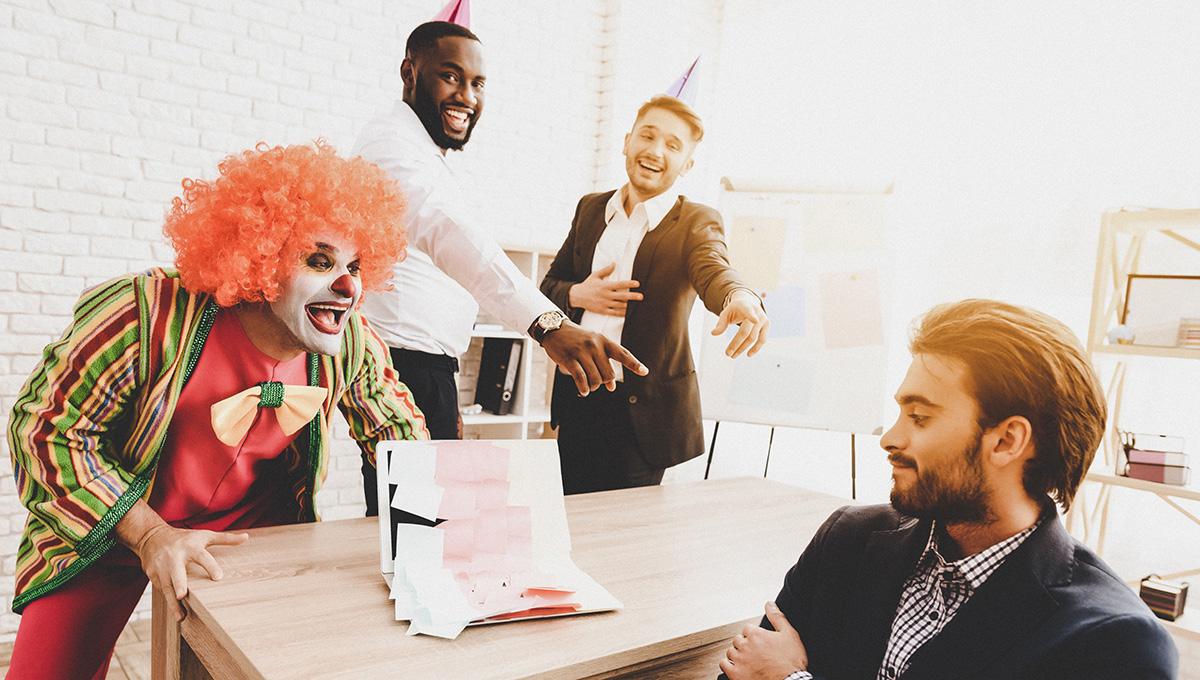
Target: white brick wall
x,y
105,106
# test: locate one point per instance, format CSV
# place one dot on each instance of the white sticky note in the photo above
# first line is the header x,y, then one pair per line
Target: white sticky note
x,y
418,545
442,609
402,594
412,462
422,500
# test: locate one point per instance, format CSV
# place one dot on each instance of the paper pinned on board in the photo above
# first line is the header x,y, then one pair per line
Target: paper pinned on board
x,y
773,380
851,311
756,246
785,306
844,223
501,548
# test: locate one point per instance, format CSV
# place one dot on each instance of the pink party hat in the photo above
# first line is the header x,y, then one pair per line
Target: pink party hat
x,y
684,88
456,12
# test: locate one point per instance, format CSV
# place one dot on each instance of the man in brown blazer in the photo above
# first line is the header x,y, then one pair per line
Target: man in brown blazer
x,y
631,268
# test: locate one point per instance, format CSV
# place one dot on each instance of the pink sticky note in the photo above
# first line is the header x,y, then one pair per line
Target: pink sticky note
x,y
458,538
458,501
454,465
491,494
492,463
491,531
489,565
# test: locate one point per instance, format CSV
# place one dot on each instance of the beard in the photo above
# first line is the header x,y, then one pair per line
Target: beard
x,y
430,116
952,492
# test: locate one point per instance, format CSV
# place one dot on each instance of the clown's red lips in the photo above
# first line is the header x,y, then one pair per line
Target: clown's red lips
x,y
328,317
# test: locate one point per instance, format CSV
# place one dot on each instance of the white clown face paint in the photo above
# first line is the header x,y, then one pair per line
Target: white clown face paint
x,y
315,304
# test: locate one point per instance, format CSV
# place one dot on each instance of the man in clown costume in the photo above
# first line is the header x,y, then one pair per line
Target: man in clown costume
x,y
181,407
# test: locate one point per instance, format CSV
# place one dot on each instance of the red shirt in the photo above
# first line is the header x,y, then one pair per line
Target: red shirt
x,y
203,484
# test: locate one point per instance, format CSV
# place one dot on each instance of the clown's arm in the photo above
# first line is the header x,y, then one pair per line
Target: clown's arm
x,y
377,406
65,436
65,458
440,226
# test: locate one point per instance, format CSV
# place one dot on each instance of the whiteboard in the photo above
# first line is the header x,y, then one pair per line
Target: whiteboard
x,y
819,261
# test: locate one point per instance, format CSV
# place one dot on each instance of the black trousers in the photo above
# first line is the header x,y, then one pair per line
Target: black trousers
x,y
597,446
430,378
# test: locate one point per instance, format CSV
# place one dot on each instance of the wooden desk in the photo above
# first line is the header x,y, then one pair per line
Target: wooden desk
x,y
691,562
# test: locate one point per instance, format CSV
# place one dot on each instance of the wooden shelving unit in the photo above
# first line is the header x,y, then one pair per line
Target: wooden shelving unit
x,y
1126,236
531,408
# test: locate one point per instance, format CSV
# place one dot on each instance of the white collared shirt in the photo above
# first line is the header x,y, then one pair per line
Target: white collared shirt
x,y
452,262
619,243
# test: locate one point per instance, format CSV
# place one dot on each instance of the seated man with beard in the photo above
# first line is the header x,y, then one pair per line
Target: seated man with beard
x,y
968,573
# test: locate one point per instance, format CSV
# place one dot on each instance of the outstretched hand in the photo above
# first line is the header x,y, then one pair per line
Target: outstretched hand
x,y
761,654
585,355
746,312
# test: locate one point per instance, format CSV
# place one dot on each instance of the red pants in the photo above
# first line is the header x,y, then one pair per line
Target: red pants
x,y
70,633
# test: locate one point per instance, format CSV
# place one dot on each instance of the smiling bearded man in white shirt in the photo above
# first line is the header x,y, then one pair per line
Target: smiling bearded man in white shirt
x,y
452,262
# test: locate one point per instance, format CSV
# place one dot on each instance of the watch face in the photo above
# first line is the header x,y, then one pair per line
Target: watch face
x,y
550,320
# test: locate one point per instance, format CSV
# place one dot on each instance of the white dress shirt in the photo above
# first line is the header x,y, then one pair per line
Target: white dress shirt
x,y
452,262
619,244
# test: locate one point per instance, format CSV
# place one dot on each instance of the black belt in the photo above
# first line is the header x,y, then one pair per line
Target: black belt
x,y
424,359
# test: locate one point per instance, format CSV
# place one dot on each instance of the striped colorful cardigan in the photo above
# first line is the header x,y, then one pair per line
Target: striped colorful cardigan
x,y
87,427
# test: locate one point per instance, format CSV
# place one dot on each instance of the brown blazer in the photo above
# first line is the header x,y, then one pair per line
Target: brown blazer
x,y
684,256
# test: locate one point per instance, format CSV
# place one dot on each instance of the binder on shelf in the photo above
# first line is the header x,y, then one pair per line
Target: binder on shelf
x,y
499,366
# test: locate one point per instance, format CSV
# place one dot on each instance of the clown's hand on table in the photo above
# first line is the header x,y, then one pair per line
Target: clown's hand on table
x,y
165,552
294,406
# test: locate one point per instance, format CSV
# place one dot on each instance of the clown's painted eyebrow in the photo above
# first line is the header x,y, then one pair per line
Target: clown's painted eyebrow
x,y
909,399
325,247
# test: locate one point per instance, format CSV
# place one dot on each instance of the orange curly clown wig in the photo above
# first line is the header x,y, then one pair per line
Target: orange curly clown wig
x,y
241,236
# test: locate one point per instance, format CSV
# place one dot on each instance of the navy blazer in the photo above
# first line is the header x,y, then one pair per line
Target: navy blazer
x,y
1052,611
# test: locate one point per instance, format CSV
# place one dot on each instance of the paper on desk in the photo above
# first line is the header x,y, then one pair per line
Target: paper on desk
x,y
501,548
415,544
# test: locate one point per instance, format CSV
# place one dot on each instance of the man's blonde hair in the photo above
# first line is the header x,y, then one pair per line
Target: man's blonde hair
x,y
677,107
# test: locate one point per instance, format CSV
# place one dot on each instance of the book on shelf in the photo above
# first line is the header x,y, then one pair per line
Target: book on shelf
x,y
1176,475
1174,458
1189,333
1165,598
1152,442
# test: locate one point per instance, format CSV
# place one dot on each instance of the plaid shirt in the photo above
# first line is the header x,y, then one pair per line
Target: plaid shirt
x,y
934,593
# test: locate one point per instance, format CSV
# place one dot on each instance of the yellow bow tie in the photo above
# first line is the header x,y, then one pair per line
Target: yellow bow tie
x,y
294,406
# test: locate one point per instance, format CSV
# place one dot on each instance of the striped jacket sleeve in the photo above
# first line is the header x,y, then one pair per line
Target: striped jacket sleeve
x,y
66,459
376,404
